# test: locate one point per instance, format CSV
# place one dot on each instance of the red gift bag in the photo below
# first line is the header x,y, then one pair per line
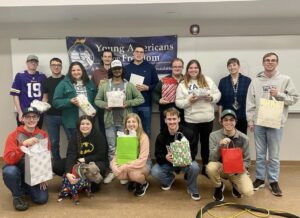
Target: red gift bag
x,y
169,86
232,159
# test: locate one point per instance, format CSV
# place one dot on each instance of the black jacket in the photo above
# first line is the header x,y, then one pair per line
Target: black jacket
x,y
164,139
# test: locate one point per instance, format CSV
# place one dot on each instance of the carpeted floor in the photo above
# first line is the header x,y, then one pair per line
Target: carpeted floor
x,y
114,201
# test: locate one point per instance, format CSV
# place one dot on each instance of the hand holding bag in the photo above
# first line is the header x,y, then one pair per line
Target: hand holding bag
x,y
232,159
181,152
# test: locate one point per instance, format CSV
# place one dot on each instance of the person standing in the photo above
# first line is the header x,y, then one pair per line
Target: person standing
x,y
65,99
14,170
269,82
146,70
197,95
233,90
174,78
26,87
114,117
228,136
53,115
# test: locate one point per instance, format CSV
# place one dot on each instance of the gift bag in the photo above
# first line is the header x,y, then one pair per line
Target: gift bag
x,y
85,105
169,86
181,152
232,159
269,113
127,149
115,98
37,163
41,106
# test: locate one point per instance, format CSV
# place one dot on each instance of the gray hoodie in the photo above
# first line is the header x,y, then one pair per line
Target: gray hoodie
x,y
259,88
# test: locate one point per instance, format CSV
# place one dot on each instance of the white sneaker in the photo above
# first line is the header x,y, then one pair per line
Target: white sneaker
x,y
123,181
109,178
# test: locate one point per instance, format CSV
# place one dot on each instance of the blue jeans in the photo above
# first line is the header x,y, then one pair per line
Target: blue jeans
x,y
145,115
111,136
267,143
13,177
164,174
53,126
70,132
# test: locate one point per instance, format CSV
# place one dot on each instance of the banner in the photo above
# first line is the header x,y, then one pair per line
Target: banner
x,y
159,50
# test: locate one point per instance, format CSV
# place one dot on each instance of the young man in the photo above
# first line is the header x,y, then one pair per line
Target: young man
x,y
26,87
228,136
269,83
143,68
163,170
13,171
175,77
53,115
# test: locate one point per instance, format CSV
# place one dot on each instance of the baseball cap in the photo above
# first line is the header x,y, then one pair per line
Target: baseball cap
x,y
32,58
116,63
30,110
228,112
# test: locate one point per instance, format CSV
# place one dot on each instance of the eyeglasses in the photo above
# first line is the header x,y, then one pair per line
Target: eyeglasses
x,y
55,65
270,60
34,117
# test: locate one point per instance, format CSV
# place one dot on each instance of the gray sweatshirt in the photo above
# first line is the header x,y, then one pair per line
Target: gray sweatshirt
x,y
260,87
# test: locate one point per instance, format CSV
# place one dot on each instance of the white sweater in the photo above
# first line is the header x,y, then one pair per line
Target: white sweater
x,y
201,111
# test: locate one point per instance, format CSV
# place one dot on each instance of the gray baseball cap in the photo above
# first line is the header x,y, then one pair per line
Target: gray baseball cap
x,y
228,112
32,58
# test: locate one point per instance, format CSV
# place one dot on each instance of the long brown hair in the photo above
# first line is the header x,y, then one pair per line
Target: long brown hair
x,y
200,78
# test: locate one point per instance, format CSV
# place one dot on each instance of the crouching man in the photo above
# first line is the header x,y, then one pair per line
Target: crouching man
x,y
228,135
13,171
163,170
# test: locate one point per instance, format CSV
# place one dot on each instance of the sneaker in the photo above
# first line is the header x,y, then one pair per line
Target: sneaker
x,y
235,193
131,186
20,203
141,189
109,178
194,196
218,195
275,189
168,187
123,181
258,183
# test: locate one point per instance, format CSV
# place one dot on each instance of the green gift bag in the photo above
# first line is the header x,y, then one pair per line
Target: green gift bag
x,y
181,152
127,149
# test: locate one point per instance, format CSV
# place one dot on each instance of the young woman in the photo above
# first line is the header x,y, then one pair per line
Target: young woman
x,y
137,170
234,88
175,78
65,96
87,145
114,117
197,95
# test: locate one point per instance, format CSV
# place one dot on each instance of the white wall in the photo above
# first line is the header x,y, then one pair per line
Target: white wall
x,y
290,148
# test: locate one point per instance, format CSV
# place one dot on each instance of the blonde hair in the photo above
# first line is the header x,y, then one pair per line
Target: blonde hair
x,y
200,78
140,129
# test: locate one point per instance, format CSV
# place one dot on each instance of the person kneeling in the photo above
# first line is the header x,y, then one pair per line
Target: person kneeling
x,y
137,170
228,135
164,170
14,171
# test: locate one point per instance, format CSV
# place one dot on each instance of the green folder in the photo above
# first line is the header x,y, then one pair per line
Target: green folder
x,y
127,149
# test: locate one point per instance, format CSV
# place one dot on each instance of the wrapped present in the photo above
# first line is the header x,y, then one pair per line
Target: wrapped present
x,y
85,105
201,92
38,166
115,98
168,90
127,148
41,106
180,150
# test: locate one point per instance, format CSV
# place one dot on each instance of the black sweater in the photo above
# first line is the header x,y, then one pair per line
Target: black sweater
x,y
92,147
164,139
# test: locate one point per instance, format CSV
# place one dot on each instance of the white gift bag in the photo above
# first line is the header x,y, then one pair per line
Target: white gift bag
x,y
38,166
115,98
85,105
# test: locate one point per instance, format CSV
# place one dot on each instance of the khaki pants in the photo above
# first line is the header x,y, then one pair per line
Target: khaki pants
x,y
241,181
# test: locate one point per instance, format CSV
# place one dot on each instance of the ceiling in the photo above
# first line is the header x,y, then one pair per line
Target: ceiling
x,y
256,13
